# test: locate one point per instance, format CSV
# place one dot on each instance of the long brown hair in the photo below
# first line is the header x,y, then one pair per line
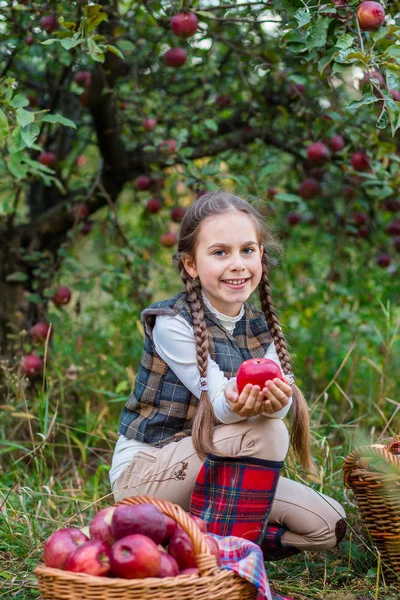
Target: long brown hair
x,y
206,206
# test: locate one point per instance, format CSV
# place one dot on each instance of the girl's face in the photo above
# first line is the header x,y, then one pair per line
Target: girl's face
x,y
227,260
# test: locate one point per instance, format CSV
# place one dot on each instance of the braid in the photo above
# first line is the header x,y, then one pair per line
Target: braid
x,y
204,419
300,434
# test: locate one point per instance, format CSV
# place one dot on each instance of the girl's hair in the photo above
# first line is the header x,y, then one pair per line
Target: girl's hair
x,y
206,206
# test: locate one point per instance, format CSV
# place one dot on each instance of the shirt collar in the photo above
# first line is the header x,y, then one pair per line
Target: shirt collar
x,y
220,316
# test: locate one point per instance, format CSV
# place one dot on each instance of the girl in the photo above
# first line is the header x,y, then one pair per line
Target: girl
x,y
186,434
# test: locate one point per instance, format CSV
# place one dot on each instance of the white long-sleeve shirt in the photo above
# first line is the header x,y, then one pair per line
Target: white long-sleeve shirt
x,y
174,341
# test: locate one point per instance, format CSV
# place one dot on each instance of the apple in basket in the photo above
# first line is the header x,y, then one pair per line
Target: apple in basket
x,y
100,526
134,557
145,519
60,544
92,557
168,566
257,371
181,548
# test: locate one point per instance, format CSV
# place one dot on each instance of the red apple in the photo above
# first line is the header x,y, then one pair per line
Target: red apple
x,y
39,331
170,526
393,228
360,161
168,239
213,546
86,227
145,519
271,192
202,525
83,78
167,146
29,40
383,260
175,57
392,205
336,143
92,557
153,206
374,75
348,192
100,526
143,182
135,556
81,160
395,95
60,544
62,296
181,548
185,24
31,365
371,15
149,124
168,566
223,100
317,152
80,211
47,158
309,188
157,183
293,218
257,371
359,219
190,571
178,213
49,23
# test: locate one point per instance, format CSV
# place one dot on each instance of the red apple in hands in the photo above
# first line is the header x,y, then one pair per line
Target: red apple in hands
x,y
135,556
100,526
60,544
144,519
168,566
257,371
92,557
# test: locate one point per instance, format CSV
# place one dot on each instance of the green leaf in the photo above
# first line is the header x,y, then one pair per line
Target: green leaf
x,y
34,298
50,41
96,53
366,99
288,198
19,101
16,166
383,120
302,16
115,51
326,60
24,117
345,41
206,14
393,51
59,119
210,124
94,21
29,134
4,128
17,276
317,33
71,42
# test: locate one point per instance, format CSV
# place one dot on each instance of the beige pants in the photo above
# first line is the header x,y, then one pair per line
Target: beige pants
x,y
170,473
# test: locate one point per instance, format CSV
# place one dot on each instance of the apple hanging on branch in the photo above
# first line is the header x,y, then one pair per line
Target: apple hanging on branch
x,y
257,371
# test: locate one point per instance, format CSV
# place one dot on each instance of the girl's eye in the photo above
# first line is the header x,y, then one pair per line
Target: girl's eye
x,y
218,252
250,250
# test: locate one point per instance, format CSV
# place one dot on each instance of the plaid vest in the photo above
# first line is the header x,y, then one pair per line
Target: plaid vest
x,y
161,409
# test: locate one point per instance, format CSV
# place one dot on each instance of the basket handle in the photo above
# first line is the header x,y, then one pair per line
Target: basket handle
x,y
350,462
206,562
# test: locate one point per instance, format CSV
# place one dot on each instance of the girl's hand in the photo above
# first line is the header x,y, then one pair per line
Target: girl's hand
x,y
250,403
277,393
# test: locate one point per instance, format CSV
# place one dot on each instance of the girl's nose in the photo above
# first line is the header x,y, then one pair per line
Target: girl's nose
x,y
237,263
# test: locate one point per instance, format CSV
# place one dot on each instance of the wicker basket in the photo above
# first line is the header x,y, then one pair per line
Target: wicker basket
x,y
212,582
373,473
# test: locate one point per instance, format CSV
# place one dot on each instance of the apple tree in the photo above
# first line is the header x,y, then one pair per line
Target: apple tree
x,y
296,105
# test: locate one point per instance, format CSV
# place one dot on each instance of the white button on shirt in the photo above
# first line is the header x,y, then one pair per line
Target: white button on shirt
x,y
175,343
